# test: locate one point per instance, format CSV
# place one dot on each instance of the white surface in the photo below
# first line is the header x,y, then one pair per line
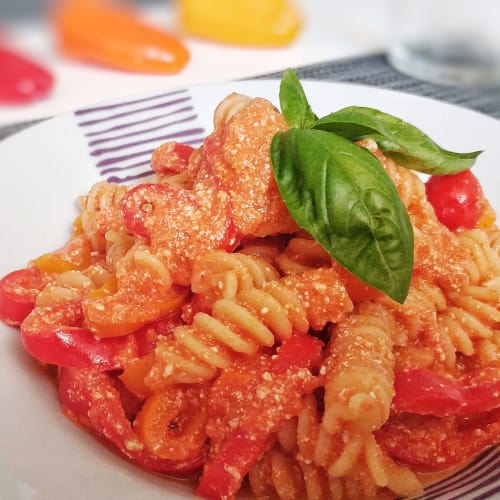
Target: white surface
x,y
42,455
331,30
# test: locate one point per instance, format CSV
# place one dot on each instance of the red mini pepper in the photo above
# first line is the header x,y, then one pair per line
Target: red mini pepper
x,y
22,80
104,33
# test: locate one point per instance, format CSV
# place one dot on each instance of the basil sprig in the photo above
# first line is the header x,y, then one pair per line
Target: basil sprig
x,y
340,193
400,140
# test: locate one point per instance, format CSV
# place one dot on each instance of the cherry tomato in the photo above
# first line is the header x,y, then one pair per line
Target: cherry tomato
x,y
457,199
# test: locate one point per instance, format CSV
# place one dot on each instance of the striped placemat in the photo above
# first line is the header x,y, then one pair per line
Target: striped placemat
x,y
374,70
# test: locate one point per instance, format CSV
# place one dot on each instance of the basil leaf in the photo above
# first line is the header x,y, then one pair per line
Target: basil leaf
x,y
342,196
293,102
403,142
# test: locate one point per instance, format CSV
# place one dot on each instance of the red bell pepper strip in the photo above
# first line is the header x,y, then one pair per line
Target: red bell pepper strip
x,y
22,80
481,389
180,223
241,448
18,291
91,399
424,392
70,345
101,32
432,444
298,351
223,477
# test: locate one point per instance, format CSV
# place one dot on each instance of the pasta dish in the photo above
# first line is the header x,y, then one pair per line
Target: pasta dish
x,y
201,329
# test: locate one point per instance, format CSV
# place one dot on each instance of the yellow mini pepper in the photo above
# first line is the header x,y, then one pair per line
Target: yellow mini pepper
x,y
241,22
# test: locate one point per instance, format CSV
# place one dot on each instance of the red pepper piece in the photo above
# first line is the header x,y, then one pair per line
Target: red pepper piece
x,y
147,336
481,389
257,418
18,291
68,344
433,444
21,79
104,33
298,351
223,477
424,392
171,158
180,223
91,399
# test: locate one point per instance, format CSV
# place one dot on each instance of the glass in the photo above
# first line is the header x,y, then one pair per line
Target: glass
x,y
445,41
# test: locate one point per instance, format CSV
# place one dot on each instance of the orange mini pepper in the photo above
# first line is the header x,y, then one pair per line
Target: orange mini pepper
x,y
101,32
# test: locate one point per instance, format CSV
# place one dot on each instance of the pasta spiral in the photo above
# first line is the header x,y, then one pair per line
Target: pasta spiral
x,y
228,107
288,470
301,254
359,371
242,325
472,315
483,247
100,212
420,339
223,274
254,318
67,286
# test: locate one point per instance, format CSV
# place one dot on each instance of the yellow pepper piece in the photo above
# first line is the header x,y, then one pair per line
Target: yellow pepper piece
x,y
53,263
242,22
109,287
78,225
488,216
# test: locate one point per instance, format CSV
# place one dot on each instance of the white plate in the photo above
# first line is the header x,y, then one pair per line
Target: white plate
x,y
43,169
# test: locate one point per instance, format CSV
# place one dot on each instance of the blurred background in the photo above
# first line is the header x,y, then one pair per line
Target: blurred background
x,y
326,32
15,10
253,38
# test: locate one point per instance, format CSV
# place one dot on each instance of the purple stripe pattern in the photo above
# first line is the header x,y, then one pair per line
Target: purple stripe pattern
x,y
122,136
479,479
